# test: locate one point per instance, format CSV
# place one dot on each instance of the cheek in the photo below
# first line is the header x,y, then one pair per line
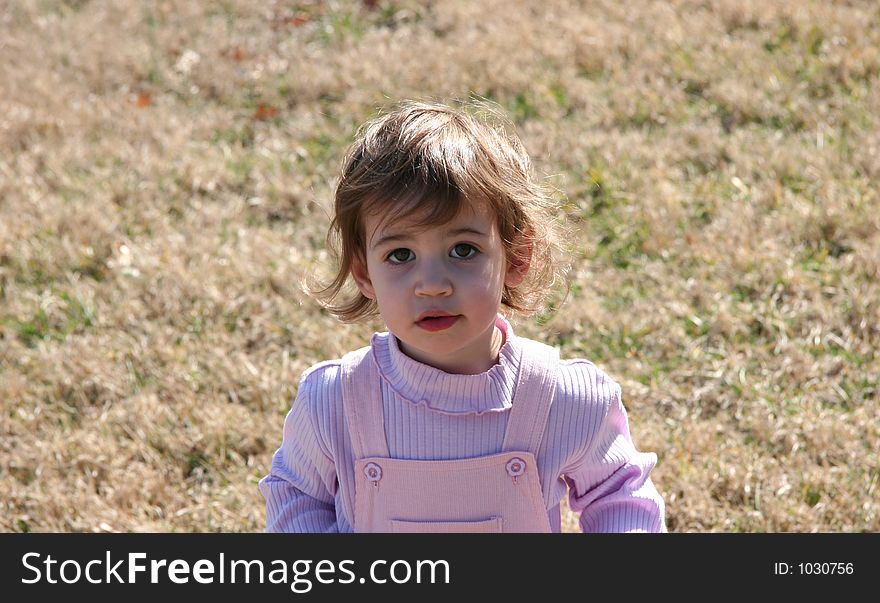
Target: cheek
x,y
381,285
486,280
388,286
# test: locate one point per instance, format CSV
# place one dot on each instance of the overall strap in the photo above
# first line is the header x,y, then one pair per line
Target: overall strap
x,y
535,387
362,402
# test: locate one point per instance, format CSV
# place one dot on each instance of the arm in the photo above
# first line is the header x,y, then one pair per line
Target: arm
x,y
301,484
609,485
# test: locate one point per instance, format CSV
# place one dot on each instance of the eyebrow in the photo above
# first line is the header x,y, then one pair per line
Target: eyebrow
x,y
403,237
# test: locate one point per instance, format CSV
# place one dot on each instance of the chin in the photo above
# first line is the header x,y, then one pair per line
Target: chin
x,y
436,348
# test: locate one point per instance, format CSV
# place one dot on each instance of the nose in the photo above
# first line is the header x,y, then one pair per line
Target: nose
x,y
433,280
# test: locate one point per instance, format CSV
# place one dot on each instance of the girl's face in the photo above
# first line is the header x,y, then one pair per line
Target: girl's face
x,y
439,289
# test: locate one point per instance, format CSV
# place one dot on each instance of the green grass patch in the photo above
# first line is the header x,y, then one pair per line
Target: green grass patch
x,y
240,166
34,273
620,242
34,329
522,108
620,342
321,148
780,39
341,27
237,135
695,326
198,466
560,95
77,316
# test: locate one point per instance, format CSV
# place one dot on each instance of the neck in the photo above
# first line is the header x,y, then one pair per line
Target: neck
x,y
497,342
455,364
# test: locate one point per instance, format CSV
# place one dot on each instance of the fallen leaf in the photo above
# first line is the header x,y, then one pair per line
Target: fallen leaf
x,y
144,99
264,112
298,20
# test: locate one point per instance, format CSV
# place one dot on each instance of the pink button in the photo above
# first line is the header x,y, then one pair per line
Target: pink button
x,y
515,467
373,472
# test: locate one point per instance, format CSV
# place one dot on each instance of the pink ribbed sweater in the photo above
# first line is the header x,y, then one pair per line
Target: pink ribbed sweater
x,y
433,415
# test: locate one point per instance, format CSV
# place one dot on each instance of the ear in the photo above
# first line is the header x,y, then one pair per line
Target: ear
x,y
518,264
362,277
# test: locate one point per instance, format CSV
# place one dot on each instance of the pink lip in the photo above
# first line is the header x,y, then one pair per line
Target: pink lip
x,y
436,320
433,314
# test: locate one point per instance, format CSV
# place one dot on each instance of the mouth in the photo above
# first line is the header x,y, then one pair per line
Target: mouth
x,y
436,320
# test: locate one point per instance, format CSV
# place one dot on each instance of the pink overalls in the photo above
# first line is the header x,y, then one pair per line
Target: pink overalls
x,y
495,493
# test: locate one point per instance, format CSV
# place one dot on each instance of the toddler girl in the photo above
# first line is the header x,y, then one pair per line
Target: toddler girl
x,y
449,422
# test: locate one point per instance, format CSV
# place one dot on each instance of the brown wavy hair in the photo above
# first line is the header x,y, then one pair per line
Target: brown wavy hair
x,y
424,161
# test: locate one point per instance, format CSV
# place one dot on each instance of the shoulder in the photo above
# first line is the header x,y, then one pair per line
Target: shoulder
x,y
327,375
585,387
579,382
318,406
318,400
319,377
319,394
585,401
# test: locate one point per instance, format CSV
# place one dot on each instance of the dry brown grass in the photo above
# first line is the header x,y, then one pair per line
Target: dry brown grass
x,y
165,173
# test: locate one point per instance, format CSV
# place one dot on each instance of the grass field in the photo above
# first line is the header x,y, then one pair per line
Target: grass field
x,y
166,173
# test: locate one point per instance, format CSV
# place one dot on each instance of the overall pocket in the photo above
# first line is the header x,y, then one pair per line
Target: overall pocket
x,y
493,525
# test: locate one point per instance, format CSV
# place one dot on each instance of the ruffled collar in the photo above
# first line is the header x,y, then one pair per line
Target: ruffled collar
x,y
446,393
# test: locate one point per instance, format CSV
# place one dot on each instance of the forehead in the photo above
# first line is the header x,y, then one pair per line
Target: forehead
x,y
414,222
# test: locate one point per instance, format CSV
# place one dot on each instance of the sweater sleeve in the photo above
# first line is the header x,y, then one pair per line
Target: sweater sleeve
x,y
301,485
609,485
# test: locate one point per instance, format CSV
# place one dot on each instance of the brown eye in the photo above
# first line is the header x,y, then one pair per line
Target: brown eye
x,y
399,256
463,251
